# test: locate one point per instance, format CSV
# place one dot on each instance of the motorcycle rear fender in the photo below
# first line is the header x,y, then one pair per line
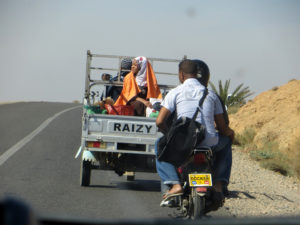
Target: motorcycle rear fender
x,y
203,193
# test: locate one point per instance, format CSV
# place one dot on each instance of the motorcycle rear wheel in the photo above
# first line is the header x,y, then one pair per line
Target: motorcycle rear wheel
x,y
197,206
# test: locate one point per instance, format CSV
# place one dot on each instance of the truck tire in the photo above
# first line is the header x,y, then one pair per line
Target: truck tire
x,y
197,206
85,173
130,176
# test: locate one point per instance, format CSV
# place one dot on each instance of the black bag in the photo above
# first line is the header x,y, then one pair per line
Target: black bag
x,y
184,135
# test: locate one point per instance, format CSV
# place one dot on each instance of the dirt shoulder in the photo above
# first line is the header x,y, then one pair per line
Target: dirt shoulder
x,y
4,103
255,191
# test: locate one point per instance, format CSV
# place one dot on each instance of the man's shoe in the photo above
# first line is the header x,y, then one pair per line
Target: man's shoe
x,y
166,203
225,191
170,202
217,201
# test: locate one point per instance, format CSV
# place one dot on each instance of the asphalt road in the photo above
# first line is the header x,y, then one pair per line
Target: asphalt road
x,y
45,174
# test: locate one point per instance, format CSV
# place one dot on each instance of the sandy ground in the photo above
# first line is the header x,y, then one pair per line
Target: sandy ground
x,y
3,103
257,192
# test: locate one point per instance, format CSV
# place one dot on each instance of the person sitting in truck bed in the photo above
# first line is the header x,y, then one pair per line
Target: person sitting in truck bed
x,y
115,91
139,86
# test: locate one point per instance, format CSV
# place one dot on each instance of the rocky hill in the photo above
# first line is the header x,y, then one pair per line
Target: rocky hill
x,y
274,115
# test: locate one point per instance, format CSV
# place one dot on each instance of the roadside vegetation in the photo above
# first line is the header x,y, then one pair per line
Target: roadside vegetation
x,y
233,109
296,161
269,155
232,100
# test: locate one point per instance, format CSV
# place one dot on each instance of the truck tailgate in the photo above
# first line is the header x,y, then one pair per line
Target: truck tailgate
x,y
117,131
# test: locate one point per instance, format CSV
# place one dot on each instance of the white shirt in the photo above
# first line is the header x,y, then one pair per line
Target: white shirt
x,y
185,99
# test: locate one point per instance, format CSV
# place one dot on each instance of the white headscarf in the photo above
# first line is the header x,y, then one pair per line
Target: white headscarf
x,y
141,77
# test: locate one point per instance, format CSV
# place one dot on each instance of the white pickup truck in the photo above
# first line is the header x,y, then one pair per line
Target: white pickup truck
x,y
125,144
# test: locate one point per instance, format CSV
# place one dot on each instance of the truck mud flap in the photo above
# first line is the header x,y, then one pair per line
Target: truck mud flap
x,y
88,156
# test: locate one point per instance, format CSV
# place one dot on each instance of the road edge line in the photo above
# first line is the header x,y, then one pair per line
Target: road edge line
x,y
15,148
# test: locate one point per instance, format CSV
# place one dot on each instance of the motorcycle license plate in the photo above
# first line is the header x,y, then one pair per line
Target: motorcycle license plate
x,y
200,180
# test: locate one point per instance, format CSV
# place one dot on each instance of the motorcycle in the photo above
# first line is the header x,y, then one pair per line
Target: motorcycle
x,y
196,177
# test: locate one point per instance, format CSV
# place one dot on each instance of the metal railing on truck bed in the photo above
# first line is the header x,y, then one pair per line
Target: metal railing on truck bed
x,y
89,83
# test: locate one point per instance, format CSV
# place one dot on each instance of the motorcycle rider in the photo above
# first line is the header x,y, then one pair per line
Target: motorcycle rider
x,y
184,99
203,77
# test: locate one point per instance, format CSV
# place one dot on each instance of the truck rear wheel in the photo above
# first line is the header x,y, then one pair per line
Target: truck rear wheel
x,y
85,173
130,176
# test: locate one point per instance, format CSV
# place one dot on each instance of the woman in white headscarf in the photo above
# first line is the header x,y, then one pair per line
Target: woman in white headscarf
x,y
141,78
139,86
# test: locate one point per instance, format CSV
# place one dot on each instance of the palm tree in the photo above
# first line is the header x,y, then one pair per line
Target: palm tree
x,y
238,96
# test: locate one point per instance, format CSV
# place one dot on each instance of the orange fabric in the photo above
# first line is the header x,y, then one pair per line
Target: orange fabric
x,y
131,89
153,89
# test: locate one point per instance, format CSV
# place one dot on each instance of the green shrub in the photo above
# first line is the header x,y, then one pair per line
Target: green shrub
x,y
233,109
246,138
269,155
261,154
271,158
296,158
278,165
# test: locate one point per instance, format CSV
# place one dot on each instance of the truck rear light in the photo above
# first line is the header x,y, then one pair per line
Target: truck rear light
x,y
96,144
199,158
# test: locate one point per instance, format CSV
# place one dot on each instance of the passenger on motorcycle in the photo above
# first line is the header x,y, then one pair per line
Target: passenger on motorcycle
x,y
184,99
203,77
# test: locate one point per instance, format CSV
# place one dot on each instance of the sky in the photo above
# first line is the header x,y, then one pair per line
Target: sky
x,y
43,43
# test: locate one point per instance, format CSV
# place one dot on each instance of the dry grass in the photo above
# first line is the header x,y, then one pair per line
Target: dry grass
x,y
269,156
5,103
233,109
246,138
296,159
278,165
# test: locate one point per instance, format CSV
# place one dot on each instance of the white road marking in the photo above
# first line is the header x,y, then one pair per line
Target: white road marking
x,y
12,150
